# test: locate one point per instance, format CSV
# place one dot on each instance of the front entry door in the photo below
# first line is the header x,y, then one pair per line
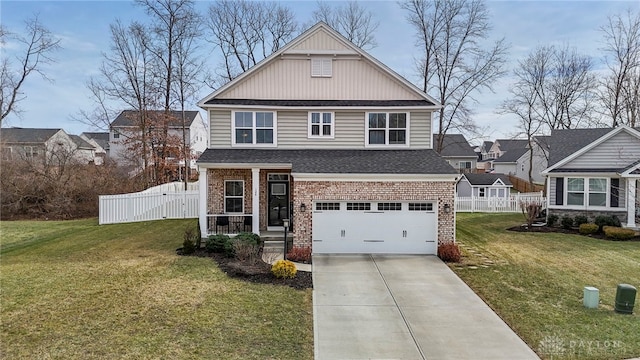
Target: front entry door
x,y
278,195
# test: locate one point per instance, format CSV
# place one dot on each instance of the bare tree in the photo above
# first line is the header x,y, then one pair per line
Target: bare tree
x,y
36,44
247,32
352,20
555,89
455,63
620,89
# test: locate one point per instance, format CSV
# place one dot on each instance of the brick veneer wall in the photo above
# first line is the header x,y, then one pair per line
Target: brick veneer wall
x,y
215,181
308,191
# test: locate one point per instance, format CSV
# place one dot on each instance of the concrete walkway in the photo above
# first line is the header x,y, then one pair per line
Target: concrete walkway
x,y
403,307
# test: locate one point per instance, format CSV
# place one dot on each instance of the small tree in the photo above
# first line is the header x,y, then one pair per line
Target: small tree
x,y
531,211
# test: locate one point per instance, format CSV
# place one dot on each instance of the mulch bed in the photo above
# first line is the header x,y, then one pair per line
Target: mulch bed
x,y
553,229
256,273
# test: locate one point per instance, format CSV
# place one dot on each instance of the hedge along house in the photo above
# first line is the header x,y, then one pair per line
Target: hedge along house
x,y
323,134
594,172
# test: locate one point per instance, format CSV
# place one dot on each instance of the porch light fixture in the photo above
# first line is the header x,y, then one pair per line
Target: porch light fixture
x,y
447,208
303,207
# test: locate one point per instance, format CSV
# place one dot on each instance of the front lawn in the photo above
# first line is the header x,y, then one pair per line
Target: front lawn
x,y
77,290
535,282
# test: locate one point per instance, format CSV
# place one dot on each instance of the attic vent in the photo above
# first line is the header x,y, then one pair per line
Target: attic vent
x,y
321,67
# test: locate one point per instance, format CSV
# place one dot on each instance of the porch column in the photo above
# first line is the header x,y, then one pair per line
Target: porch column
x,y
202,188
631,202
255,200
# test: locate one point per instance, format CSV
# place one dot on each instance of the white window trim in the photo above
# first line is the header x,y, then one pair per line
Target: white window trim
x,y
224,195
333,125
386,130
253,128
326,67
585,194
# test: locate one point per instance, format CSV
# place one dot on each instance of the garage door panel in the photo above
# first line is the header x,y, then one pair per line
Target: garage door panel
x,y
395,230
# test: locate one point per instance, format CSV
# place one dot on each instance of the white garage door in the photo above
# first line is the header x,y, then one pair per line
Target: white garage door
x,y
348,227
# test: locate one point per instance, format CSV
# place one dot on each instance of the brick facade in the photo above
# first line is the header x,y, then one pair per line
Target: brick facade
x,y
308,191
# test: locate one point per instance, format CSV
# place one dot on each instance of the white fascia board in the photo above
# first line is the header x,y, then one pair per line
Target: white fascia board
x,y
628,172
244,165
375,177
583,174
311,108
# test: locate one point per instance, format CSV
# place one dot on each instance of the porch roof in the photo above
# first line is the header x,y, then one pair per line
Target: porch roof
x,y
336,161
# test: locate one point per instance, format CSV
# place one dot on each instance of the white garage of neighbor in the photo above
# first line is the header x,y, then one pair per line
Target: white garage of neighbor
x,y
371,227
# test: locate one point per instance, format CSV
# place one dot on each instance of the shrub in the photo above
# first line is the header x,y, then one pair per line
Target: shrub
x,y
220,243
189,241
618,233
248,237
284,269
588,228
552,219
300,254
566,222
530,211
245,251
449,252
603,220
579,220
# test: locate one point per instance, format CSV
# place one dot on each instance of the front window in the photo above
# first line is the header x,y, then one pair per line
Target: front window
x,y
597,192
387,128
481,192
253,127
575,191
321,124
234,196
464,166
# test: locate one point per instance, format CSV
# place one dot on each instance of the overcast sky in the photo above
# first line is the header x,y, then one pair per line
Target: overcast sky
x,y
83,27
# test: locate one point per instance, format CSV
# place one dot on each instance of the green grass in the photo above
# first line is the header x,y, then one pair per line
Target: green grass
x,y
77,290
535,282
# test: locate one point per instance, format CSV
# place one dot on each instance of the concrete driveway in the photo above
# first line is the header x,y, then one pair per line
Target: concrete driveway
x,y
403,307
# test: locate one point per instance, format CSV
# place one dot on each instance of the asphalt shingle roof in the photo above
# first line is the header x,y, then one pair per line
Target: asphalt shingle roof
x,y
126,117
337,161
454,145
102,138
511,156
26,135
564,142
510,144
318,103
80,142
487,179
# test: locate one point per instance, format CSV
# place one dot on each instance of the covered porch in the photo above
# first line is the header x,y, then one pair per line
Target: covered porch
x,y
632,177
237,198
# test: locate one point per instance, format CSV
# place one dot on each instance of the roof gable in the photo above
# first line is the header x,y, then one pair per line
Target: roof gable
x,y
594,148
321,40
511,156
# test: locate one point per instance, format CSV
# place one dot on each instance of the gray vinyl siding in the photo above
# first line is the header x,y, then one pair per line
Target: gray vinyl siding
x,y
220,124
552,190
420,123
618,151
293,130
464,188
622,192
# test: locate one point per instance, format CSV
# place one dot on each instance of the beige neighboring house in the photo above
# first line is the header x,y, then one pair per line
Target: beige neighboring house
x,y
51,145
100,142
124,127
325,136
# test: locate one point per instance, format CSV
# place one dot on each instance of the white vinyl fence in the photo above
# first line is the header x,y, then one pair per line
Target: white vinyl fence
x,y
498,204
151,204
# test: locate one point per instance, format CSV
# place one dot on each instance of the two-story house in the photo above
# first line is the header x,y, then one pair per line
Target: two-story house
x,y
325,136
125,133
51,146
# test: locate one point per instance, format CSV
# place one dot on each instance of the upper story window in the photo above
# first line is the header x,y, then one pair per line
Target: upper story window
x,y
387,129
321,67
253,128
321,125
116,135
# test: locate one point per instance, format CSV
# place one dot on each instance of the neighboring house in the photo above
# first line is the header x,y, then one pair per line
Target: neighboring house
x,y
325,136
50,145
516,157
594,172
484,157
100,140
457,151
123,133
84,152
501,146
484,185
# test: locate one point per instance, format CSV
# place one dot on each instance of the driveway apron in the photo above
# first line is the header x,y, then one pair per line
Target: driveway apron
x,y
403,307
